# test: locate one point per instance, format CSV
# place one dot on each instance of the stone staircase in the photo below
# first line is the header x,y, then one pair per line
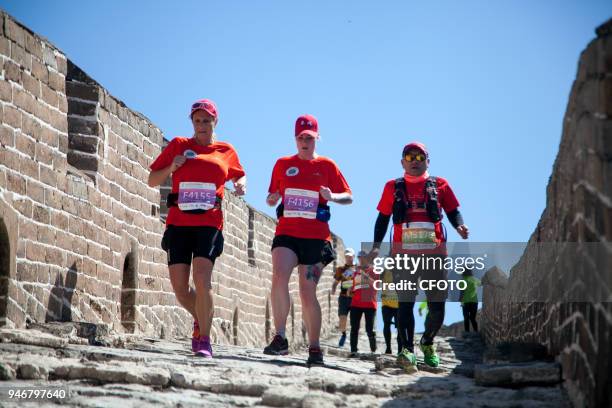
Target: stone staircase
x,y
134,371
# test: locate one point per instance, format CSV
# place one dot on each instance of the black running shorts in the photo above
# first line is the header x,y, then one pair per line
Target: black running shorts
x,y
308,251
184,243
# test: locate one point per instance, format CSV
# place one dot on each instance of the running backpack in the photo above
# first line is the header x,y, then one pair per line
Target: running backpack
x,y
431,205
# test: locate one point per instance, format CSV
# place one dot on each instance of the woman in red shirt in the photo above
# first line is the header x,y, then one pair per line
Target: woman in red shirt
x,y
200,166
305,182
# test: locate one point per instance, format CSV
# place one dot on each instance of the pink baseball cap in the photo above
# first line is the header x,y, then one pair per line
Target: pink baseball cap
x,y
415,145
307,124
206,105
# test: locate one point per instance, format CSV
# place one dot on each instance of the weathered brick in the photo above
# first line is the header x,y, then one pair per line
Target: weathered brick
x,y
60,163
46,235
53,199
50,96
7,136
62,104
26,272
43,276
31,84
28,230
16,182
55,256
87,144
79,246
49,57
62,143
10,159
48,176
41,214
82,161
65,241
12,117
6,91
82,91
44,113
25,101
5,47
82,108
25,144
30,168
43,154
82,126
21,57
57,82
24,206
77,187
62,64
30,126
58,121
40,71
14,31
12,71
48,136
35,191
33,45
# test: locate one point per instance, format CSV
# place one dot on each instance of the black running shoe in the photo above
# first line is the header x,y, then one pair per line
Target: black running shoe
x,y
315,356
278,347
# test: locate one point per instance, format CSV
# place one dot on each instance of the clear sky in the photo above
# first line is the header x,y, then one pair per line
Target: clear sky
x,y
484,84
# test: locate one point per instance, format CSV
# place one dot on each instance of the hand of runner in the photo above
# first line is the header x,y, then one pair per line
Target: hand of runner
x,y
463,231
326,193
178,161
240,187
273,199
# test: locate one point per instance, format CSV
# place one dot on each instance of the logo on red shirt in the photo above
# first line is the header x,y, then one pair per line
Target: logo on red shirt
x,y
292,171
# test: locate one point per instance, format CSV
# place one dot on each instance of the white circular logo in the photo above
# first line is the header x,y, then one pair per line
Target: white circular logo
x,y
190,154
292,171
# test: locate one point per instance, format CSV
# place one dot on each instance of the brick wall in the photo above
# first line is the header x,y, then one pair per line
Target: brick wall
x,y
552,296
80,230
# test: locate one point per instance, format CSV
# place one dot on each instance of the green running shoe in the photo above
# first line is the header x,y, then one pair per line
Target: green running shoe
x,y
431,357
407,360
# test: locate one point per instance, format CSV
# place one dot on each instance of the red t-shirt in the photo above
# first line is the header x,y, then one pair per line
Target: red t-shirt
x,y
299,181
420,221
364,293
214,164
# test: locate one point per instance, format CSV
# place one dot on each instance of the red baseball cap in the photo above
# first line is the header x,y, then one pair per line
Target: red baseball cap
x,y
206,105
415,145
307,124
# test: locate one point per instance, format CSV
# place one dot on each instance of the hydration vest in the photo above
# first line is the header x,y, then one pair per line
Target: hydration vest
x,y
401,205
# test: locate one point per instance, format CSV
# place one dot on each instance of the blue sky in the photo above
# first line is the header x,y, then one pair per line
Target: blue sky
x,y
483,84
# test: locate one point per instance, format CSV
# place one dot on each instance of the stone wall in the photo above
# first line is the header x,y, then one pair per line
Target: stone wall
x,y
552,296
80,230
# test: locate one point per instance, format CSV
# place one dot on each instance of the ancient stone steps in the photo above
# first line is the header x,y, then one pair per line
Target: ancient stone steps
x,y
156,373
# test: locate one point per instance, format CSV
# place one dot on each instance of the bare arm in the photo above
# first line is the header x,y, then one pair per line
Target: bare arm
x,y
157,177
340,198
